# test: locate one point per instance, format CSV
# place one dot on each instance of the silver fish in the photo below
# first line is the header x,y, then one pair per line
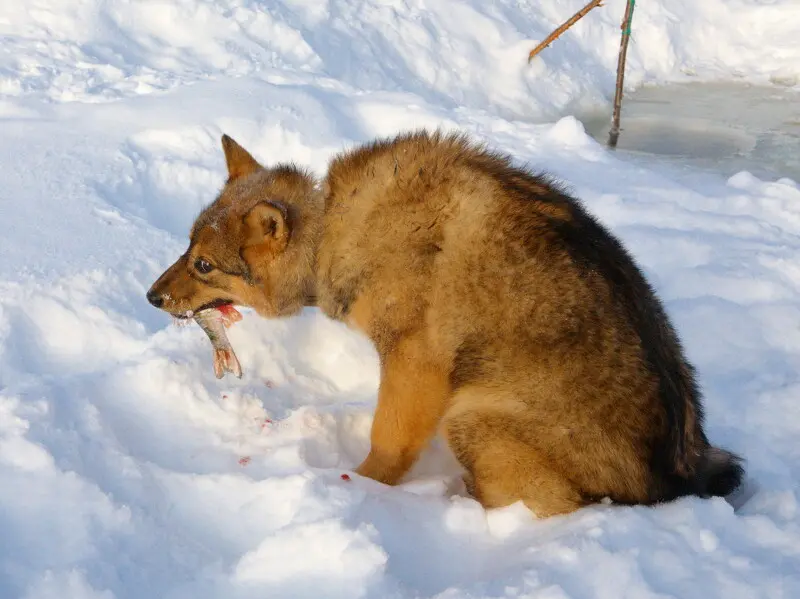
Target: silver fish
x,y
214,321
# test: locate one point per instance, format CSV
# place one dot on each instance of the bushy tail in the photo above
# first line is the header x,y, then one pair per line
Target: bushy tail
x,y
719,473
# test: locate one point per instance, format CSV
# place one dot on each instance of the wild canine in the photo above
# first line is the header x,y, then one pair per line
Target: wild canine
x,y
504,315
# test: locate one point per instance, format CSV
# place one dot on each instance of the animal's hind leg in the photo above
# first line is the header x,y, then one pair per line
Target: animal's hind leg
x,y
502,468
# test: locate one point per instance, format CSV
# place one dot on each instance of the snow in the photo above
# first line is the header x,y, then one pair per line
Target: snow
x,y
127,470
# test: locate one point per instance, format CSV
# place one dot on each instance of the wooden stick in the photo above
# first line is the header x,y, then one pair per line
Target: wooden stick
x,y
567,24
613,135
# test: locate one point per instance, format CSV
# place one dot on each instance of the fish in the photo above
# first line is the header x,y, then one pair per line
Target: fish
x,y
214,321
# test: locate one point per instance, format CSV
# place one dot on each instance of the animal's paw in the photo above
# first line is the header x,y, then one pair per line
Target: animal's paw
x,y
380,470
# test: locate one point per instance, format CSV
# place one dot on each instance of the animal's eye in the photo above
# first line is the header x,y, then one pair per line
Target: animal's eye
x,y
202,266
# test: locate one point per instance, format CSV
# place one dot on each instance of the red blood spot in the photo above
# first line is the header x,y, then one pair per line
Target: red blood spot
x,y
266,422
345,477
228,309
224,397
244,461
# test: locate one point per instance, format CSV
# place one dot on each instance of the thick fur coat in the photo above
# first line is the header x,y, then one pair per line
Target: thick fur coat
x,y
506,318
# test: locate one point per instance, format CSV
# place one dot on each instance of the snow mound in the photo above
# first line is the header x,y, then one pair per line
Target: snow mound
x,y
449,52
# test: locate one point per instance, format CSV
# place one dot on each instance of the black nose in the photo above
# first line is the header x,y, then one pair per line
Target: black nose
x,y
155,299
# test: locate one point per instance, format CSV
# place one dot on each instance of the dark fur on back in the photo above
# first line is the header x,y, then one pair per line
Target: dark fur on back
x,y
683,462
539,221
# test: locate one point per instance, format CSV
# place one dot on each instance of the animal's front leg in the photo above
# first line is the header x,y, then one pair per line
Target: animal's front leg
x,y
411,401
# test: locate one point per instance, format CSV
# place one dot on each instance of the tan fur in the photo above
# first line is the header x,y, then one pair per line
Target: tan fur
x,y
263,271
448,260
416,232
411,400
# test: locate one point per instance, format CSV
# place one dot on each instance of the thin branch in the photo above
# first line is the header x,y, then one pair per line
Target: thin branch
x,y
613,135
567,24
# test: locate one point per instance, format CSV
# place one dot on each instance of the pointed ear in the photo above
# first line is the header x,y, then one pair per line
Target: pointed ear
x,y
267,227
239,161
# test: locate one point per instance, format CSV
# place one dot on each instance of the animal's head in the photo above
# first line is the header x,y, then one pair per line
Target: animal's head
x,y
253,246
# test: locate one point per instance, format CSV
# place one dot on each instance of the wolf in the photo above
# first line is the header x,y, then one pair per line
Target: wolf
x,y
507,319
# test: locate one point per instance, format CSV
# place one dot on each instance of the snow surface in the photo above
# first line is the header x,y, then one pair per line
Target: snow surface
x,y
128,471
